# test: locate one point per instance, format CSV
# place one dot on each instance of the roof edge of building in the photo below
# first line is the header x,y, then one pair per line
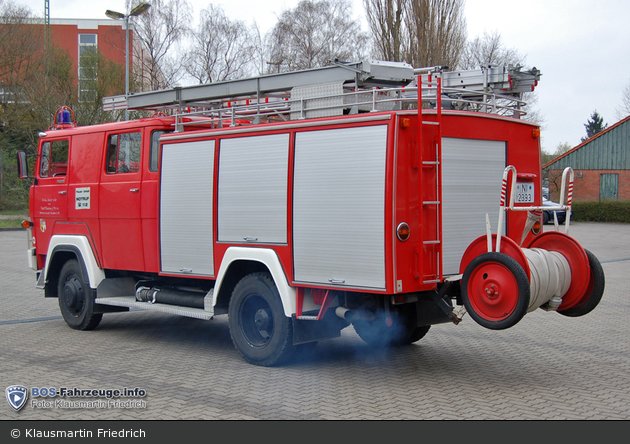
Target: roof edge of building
x,y
586,142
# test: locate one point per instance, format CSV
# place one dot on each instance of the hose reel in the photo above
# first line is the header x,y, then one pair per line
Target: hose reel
x,y
502,284
554,273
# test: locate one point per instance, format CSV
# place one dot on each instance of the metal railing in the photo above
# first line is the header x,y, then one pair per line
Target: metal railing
x,y
250,110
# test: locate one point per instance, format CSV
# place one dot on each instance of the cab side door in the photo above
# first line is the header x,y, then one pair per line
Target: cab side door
x,y
50,196
119,202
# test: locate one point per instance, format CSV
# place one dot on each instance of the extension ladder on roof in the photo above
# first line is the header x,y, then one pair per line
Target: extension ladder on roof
x,y
342,88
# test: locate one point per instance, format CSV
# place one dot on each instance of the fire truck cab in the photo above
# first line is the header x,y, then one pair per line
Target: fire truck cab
x,y
299,204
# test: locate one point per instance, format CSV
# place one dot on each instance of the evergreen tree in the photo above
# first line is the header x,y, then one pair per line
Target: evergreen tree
x,y
594,125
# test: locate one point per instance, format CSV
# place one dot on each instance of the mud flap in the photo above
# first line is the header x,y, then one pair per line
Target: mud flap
x,y
327,328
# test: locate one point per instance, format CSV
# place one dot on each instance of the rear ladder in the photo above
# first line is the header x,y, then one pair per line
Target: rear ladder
x,y
430,154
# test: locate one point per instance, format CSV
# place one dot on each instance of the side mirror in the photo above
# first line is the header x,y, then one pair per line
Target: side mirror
x,y
22,165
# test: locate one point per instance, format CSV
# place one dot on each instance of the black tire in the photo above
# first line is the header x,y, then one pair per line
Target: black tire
x,y
260,331
76,298
511,302
418,333
391,330
598,281
545,218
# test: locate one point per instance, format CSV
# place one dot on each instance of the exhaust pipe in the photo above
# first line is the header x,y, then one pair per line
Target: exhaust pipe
x,y
360,314
344,313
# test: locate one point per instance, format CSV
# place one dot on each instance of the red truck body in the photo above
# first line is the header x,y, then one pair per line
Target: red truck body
x,y
300,228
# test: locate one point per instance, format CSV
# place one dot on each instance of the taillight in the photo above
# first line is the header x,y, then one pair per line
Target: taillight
x,y
403,232
537,227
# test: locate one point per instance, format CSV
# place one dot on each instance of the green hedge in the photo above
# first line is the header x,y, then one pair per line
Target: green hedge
x,y
604,211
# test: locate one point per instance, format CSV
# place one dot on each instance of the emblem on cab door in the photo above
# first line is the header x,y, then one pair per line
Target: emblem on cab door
x,y
42,225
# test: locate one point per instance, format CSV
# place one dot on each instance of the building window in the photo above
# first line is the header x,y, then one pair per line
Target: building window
x,y
88,63
6,95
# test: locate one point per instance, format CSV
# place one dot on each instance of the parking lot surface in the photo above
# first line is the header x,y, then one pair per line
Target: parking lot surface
x,y
547,367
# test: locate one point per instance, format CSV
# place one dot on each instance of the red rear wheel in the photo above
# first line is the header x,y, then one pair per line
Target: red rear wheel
x,y
594,291
495,291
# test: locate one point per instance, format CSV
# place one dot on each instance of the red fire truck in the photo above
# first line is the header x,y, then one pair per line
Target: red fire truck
x,y
302,203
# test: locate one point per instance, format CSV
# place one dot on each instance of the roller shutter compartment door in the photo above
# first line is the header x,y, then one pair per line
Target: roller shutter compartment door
x,y
472,172
339,207
186,225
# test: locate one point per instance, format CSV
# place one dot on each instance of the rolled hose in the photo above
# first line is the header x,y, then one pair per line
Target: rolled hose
x,y
550,277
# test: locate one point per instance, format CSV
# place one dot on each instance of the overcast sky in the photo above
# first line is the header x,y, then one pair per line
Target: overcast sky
x,y
582,47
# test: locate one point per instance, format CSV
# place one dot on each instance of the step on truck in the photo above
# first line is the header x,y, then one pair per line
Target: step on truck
x,y
368,194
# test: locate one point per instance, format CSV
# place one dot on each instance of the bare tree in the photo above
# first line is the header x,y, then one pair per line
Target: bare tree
x,y
437,30
21,46
262,50
21,66
624,109
386,19
420,32
315,33
221,49
489,49
159,30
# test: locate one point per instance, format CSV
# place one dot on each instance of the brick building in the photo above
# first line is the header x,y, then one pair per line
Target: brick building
x,y
79,37
601,165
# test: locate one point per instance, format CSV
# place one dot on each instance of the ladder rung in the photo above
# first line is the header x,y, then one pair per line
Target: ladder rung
x,y
307,318
437,281
433,162
432,242
431,123
431,203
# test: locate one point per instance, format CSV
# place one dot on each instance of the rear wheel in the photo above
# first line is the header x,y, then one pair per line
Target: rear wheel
x,y
260,331
418,333
398,327
76,298
594,292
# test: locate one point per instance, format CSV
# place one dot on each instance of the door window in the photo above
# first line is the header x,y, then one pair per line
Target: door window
x,y
54,160
155,145
123,153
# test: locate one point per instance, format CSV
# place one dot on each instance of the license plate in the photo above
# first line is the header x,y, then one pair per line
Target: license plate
x,y
524,193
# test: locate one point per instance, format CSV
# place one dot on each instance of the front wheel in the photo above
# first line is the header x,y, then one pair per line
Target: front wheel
x,y
260,331
418,333
76,298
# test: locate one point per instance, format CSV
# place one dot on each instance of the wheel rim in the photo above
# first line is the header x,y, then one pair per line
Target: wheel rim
x,y
493,291
74,295
256,319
